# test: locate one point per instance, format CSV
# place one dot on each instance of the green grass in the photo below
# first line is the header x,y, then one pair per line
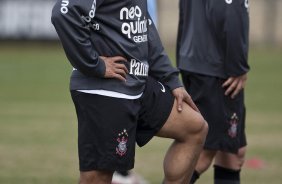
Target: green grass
x,y
38,123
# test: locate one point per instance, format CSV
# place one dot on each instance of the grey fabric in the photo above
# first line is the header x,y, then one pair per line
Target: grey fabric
x,y
89,29
213,37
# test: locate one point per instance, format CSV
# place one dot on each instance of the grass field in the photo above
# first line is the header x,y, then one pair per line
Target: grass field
x,y
38,123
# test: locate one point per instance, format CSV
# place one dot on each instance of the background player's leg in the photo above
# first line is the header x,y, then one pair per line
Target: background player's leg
x,y
189,130
95,177
230,160
204,162
227,167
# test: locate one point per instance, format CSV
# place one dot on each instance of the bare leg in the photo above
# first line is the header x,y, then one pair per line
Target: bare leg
x,y
231,161
205,160
227,167
96,177
189,130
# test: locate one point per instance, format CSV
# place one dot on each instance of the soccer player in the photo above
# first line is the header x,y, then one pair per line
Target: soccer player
x,y
212,50
124,90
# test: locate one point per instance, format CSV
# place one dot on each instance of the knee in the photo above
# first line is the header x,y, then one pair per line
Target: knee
x,y
203,131
203,127
199,131
241,156
230,160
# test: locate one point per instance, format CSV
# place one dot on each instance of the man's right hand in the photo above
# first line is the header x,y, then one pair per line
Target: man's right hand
x,y
115,69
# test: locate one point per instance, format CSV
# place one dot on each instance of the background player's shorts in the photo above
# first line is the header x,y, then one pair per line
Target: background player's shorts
x,y
108,128
225,116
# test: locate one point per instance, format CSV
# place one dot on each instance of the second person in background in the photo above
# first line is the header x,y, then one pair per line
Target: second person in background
x,y
212,53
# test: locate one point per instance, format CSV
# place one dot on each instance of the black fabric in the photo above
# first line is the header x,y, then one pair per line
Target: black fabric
x,y
157,102
225,116
225,174
108,128
123,173
194,177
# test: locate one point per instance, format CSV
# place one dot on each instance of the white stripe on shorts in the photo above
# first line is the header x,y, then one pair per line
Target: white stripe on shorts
x,y
111,94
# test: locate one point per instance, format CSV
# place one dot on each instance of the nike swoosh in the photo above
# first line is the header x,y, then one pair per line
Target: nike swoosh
x,y
163,88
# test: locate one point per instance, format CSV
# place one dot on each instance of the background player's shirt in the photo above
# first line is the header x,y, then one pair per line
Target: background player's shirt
x,y
213,37
92,28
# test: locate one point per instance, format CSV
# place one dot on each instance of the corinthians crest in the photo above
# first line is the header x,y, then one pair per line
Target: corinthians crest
x,y
122,143
232,131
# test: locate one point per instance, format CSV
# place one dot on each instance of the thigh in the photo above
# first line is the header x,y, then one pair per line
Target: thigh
x,y
179,125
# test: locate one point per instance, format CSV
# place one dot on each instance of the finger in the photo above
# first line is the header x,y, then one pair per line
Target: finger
x,y
237,90
229,90
193,105
190,102
120,72
102,57
118,58
243,83
231,87
228,82
179,100
119,77
122,66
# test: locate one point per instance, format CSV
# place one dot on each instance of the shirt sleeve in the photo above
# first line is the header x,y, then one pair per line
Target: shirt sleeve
x,y
159,62
72,21
236,30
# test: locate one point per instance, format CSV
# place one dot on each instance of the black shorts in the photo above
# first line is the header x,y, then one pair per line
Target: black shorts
x,y
225,116
108,128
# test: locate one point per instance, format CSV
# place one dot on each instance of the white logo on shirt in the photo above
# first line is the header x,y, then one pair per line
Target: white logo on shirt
x,y
134,25
64,6
91,13
228,1
138,68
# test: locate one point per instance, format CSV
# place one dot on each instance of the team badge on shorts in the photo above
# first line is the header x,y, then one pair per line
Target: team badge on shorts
x,y
122,143
232,131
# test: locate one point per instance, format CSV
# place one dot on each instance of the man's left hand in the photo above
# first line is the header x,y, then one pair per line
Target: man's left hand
x,y
181,95
234,85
